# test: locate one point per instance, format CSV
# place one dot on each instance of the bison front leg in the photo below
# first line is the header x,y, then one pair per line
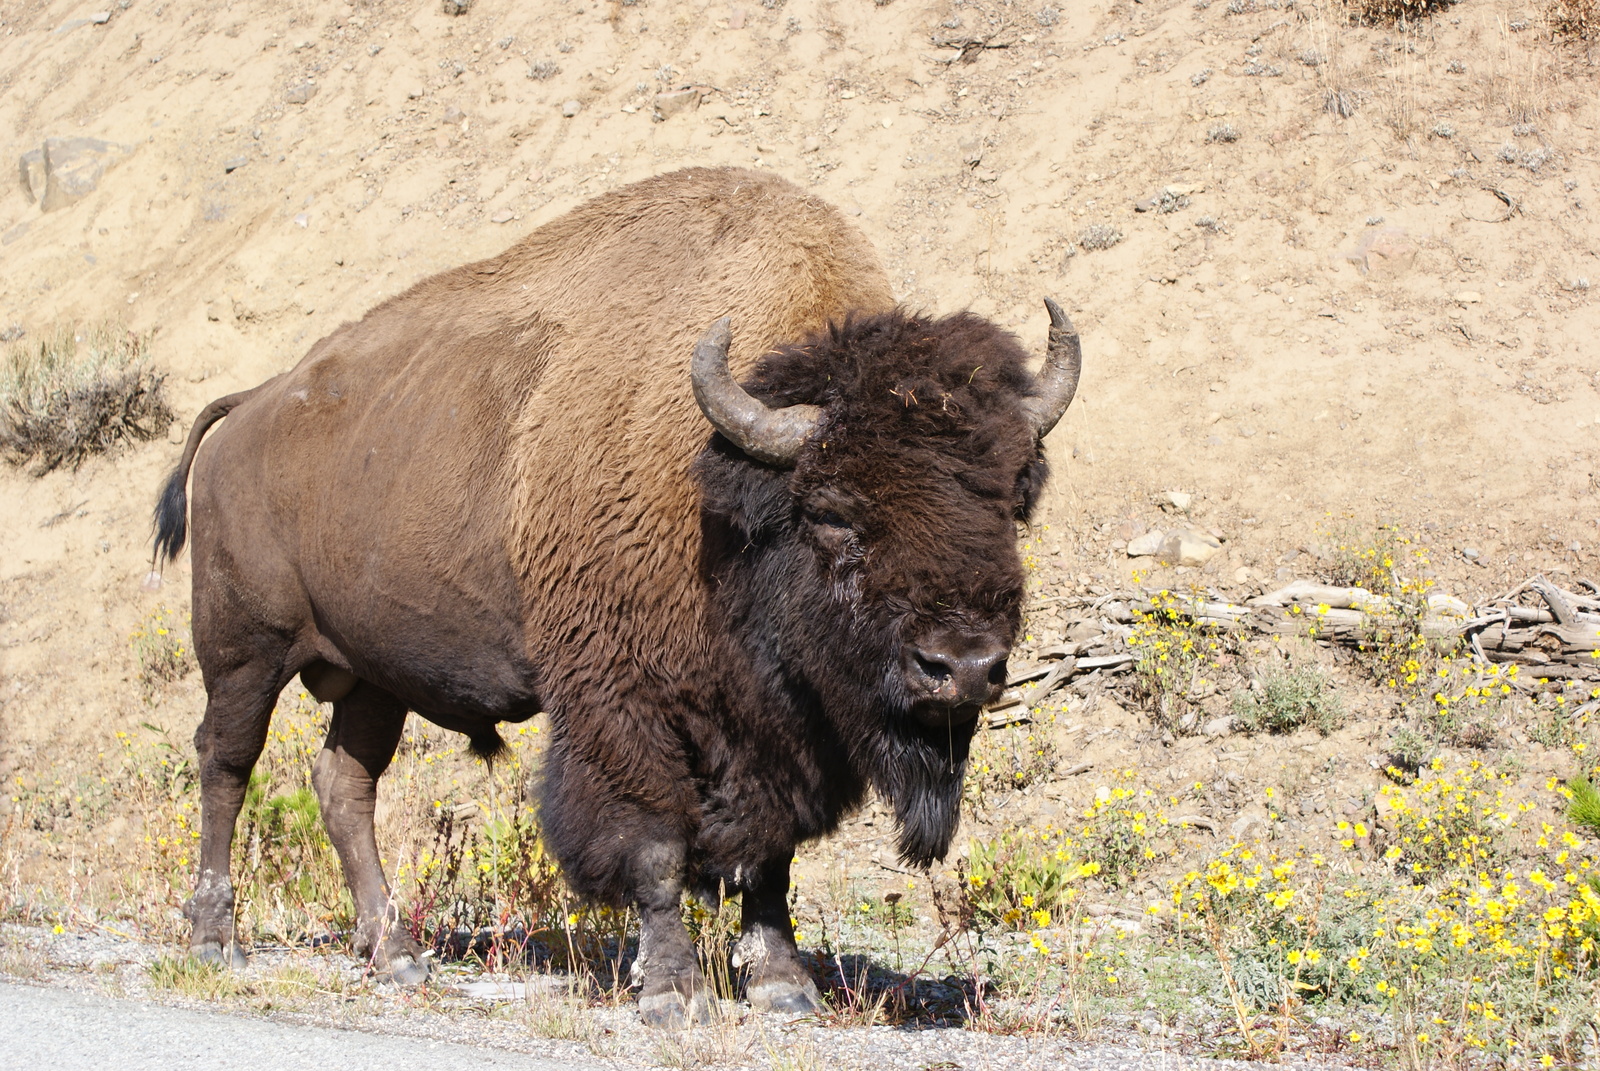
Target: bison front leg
x,y
361,740
674,993
775,979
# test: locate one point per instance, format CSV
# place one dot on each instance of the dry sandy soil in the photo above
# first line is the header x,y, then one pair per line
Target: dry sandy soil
x,y
1380,316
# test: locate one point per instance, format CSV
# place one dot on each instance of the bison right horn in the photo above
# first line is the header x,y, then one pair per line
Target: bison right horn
x,y
1058,379
766,434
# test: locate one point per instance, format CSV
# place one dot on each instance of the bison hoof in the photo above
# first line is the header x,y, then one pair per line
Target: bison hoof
x,y
405,969
673,1011
785,998
214,952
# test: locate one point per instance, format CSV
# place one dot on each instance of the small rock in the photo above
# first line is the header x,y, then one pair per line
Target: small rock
x,y
505,215
1243,575
672,101
1178,501
1470,553
736,19
453,115
100,18
1388,807
301,219
1469,297
300,94
1145,545
1188,547
1246,431
571,108
456,7
1218,726
234,163
30,170
415,93
811,144
1251,823
73,168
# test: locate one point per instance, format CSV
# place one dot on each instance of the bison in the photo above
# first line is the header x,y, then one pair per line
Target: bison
x,y
498,494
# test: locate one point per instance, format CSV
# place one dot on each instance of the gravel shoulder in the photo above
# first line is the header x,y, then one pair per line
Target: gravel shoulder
x,y
99,985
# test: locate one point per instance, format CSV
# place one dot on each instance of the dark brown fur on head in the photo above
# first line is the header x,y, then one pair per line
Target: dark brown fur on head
x,y
898,519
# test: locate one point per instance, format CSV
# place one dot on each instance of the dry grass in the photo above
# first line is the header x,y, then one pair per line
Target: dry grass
x,y
77,393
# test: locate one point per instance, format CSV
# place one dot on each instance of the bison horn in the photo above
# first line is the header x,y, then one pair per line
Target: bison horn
x,y
1058,379
766,434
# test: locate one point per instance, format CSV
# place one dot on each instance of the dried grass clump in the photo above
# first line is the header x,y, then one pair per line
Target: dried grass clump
x,y
1575,18
77,393
1384,12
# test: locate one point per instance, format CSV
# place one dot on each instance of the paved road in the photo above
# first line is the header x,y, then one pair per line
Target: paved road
x,y
60,1030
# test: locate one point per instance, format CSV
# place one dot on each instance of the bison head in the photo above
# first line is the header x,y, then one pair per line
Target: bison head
x,y
859,508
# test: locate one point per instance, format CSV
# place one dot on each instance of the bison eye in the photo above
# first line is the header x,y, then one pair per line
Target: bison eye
x,y
829,519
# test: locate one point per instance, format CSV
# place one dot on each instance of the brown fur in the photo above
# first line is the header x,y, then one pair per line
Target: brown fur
x,y
483,500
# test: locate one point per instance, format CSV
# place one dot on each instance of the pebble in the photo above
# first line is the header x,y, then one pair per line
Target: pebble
x,y
1218,726
571,108
811,144
1469,297
1175,500
234,163
415,93
1246,431
72,169
301,93
672,101
1145,545
1470,553
1188,547
505,215
456,7
453,115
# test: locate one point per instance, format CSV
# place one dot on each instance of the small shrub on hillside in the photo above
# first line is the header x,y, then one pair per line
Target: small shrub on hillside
x,y
1290,699
1390,11
1453,823
1222,132
76,394
1098,236
1575,18
161,646
1177,661
1019,878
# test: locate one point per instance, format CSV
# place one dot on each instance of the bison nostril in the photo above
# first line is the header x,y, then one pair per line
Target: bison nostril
x,y
997,672
932,668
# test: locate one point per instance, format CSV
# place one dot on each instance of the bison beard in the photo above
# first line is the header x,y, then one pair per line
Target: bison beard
x,y
922,778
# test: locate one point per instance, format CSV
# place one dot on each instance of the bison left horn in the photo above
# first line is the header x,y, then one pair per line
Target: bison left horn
x,y
766,434
1058,379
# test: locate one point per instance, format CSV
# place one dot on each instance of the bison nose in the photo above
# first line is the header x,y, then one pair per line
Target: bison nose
x,y
957,670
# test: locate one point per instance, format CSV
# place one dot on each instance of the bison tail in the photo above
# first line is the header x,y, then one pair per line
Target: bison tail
x,y
487,745
172,508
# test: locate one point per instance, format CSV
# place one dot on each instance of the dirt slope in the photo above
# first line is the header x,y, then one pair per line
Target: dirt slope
x,y
1386,314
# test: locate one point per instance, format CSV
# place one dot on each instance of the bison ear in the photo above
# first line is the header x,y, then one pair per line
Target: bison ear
x,y
1030,484
750,499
